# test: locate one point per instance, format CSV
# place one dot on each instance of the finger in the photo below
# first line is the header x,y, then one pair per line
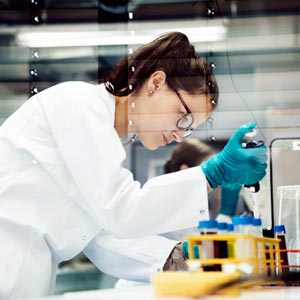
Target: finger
x,y
239,134
255,177
258,156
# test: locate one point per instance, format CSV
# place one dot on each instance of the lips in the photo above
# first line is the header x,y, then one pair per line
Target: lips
x,y
166,141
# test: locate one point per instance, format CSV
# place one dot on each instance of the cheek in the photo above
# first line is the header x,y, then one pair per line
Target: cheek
x,y
158,123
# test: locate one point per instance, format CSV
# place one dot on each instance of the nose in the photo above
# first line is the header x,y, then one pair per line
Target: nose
x,y
178,137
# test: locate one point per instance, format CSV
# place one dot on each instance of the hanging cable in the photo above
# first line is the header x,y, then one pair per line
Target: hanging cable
x,y
231,75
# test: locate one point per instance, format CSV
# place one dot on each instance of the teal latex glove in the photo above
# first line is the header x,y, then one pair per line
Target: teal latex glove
x,y
229,200
236,165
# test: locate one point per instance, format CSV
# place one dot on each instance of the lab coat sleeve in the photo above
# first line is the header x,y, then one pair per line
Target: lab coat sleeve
x,y
130,259
83,129
181,235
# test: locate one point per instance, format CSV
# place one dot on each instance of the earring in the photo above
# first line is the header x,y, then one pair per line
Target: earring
x,y
150,93
210,84
132,105
213,102
130,122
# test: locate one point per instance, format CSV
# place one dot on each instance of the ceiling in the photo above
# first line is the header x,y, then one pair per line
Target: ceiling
x,y
83,11
256,54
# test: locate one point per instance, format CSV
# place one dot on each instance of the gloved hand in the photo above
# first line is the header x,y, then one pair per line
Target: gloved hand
x,y
236,165
229,200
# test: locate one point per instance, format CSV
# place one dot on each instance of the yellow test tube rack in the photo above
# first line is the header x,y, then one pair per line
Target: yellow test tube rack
x,y
261,254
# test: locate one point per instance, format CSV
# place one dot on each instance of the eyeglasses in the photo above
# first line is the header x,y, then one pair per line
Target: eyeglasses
x,y
187,120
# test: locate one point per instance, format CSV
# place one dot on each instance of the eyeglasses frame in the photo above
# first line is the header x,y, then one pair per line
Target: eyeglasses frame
x,y
189,129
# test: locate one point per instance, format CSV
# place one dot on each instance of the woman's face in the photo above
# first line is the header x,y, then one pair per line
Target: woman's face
x,y
155,116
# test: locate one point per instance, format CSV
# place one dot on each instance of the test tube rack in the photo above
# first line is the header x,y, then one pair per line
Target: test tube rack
x,y
259,256
261,253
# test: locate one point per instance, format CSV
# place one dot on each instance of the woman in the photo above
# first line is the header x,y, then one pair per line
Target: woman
x,y
62,183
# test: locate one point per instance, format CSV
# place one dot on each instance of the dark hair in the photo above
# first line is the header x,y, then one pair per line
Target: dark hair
x,y
191,152
171,53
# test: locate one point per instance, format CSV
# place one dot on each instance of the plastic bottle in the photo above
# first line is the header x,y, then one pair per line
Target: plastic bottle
x,y
208,226
230,228
222,245
279,233
257,231
246,225
257,226
247,228
222,227
236,221
244,249
209,248
230,244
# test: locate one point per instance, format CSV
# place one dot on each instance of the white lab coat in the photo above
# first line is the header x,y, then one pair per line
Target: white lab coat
x,y
143,256
62,184
130,259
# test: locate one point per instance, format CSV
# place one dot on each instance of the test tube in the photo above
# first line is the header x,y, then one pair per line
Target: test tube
x,y
257,229
243,225
209,248
279,232
222,245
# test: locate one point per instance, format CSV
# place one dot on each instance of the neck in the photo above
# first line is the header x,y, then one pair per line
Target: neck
x,y
121,116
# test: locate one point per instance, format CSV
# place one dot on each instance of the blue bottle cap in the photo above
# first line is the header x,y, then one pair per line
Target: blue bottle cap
x,y
256,222
246,220
229,227
279,228
207,224
222,226
236,220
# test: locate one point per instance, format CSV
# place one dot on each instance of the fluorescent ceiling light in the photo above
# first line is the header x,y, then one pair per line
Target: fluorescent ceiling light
x,y
39,39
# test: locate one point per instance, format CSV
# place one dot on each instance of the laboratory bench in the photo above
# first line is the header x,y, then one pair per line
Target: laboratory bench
x,y
146,292
82,278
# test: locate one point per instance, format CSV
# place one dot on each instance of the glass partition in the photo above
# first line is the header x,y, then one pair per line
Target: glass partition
x,y
285,187
253,47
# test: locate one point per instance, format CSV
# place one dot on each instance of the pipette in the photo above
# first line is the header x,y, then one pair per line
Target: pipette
x,y
253,188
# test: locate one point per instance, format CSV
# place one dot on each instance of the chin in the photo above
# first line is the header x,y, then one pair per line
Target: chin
x,y
151,141
149,145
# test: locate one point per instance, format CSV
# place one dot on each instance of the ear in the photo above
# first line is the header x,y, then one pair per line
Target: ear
x,y
156,81
183,167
